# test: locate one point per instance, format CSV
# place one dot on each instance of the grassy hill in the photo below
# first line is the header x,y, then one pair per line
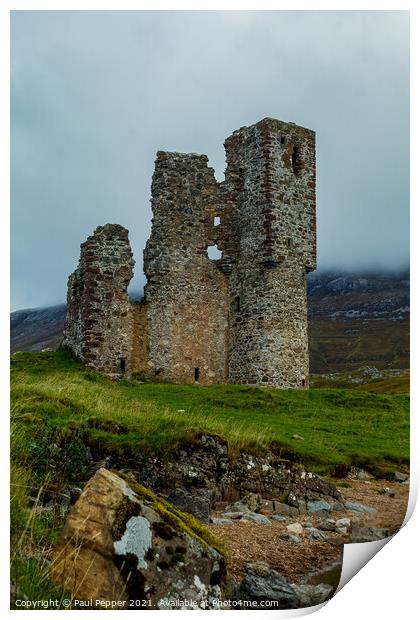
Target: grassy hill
x,y
52,393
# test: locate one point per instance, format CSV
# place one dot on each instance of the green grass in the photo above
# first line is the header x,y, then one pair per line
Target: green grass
x,y
57,399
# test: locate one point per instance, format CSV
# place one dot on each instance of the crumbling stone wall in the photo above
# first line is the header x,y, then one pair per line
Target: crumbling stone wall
x,y
99,321
186,294
241,318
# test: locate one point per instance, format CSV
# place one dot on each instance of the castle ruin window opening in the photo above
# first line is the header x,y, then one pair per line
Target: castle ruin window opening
x,y
122,365
295,160
216,220
196,374
213,252
237,304
289,242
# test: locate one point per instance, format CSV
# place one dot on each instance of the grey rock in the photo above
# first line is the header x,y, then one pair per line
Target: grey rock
x,y
261,584
295,528
288,537
194,504
357,507
356,473
285,509
278,518
315,534
400,477
341,530
301,506
343,522
307,524
257,518
338,506
252,501
310,595
318,506
361,534
221,521
238,507
232,515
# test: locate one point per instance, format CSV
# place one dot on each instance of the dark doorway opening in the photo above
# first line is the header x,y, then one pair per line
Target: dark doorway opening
x,y
196,374
122,365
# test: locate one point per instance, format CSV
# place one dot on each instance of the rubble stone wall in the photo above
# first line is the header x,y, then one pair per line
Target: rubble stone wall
x,y
99,322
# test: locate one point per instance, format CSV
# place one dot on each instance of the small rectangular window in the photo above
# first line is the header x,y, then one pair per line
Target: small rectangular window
x,y
289,242
122,365
196,374
237,304
216,221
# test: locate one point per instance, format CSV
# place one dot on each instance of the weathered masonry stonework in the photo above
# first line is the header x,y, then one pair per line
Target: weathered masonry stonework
x,y
238,318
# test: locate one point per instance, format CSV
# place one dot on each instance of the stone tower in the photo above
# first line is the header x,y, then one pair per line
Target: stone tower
x,y
240,317
271,171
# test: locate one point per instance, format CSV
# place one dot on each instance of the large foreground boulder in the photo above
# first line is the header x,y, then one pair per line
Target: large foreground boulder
x,y
122,543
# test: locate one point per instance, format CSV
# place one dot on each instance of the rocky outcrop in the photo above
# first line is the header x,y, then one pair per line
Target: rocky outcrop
x,y
204,470
122,543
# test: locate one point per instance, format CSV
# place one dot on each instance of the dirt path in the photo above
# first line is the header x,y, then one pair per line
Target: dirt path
x,y
247,541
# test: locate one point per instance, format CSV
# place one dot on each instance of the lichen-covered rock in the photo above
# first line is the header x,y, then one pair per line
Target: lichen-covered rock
x,y
121,542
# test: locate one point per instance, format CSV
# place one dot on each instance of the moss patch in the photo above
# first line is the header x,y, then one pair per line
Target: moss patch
x,y
180,521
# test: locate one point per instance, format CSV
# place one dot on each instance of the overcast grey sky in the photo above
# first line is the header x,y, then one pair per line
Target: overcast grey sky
x,y
96,94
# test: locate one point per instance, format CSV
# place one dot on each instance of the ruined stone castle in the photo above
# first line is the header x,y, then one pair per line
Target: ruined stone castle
x,y
238,318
